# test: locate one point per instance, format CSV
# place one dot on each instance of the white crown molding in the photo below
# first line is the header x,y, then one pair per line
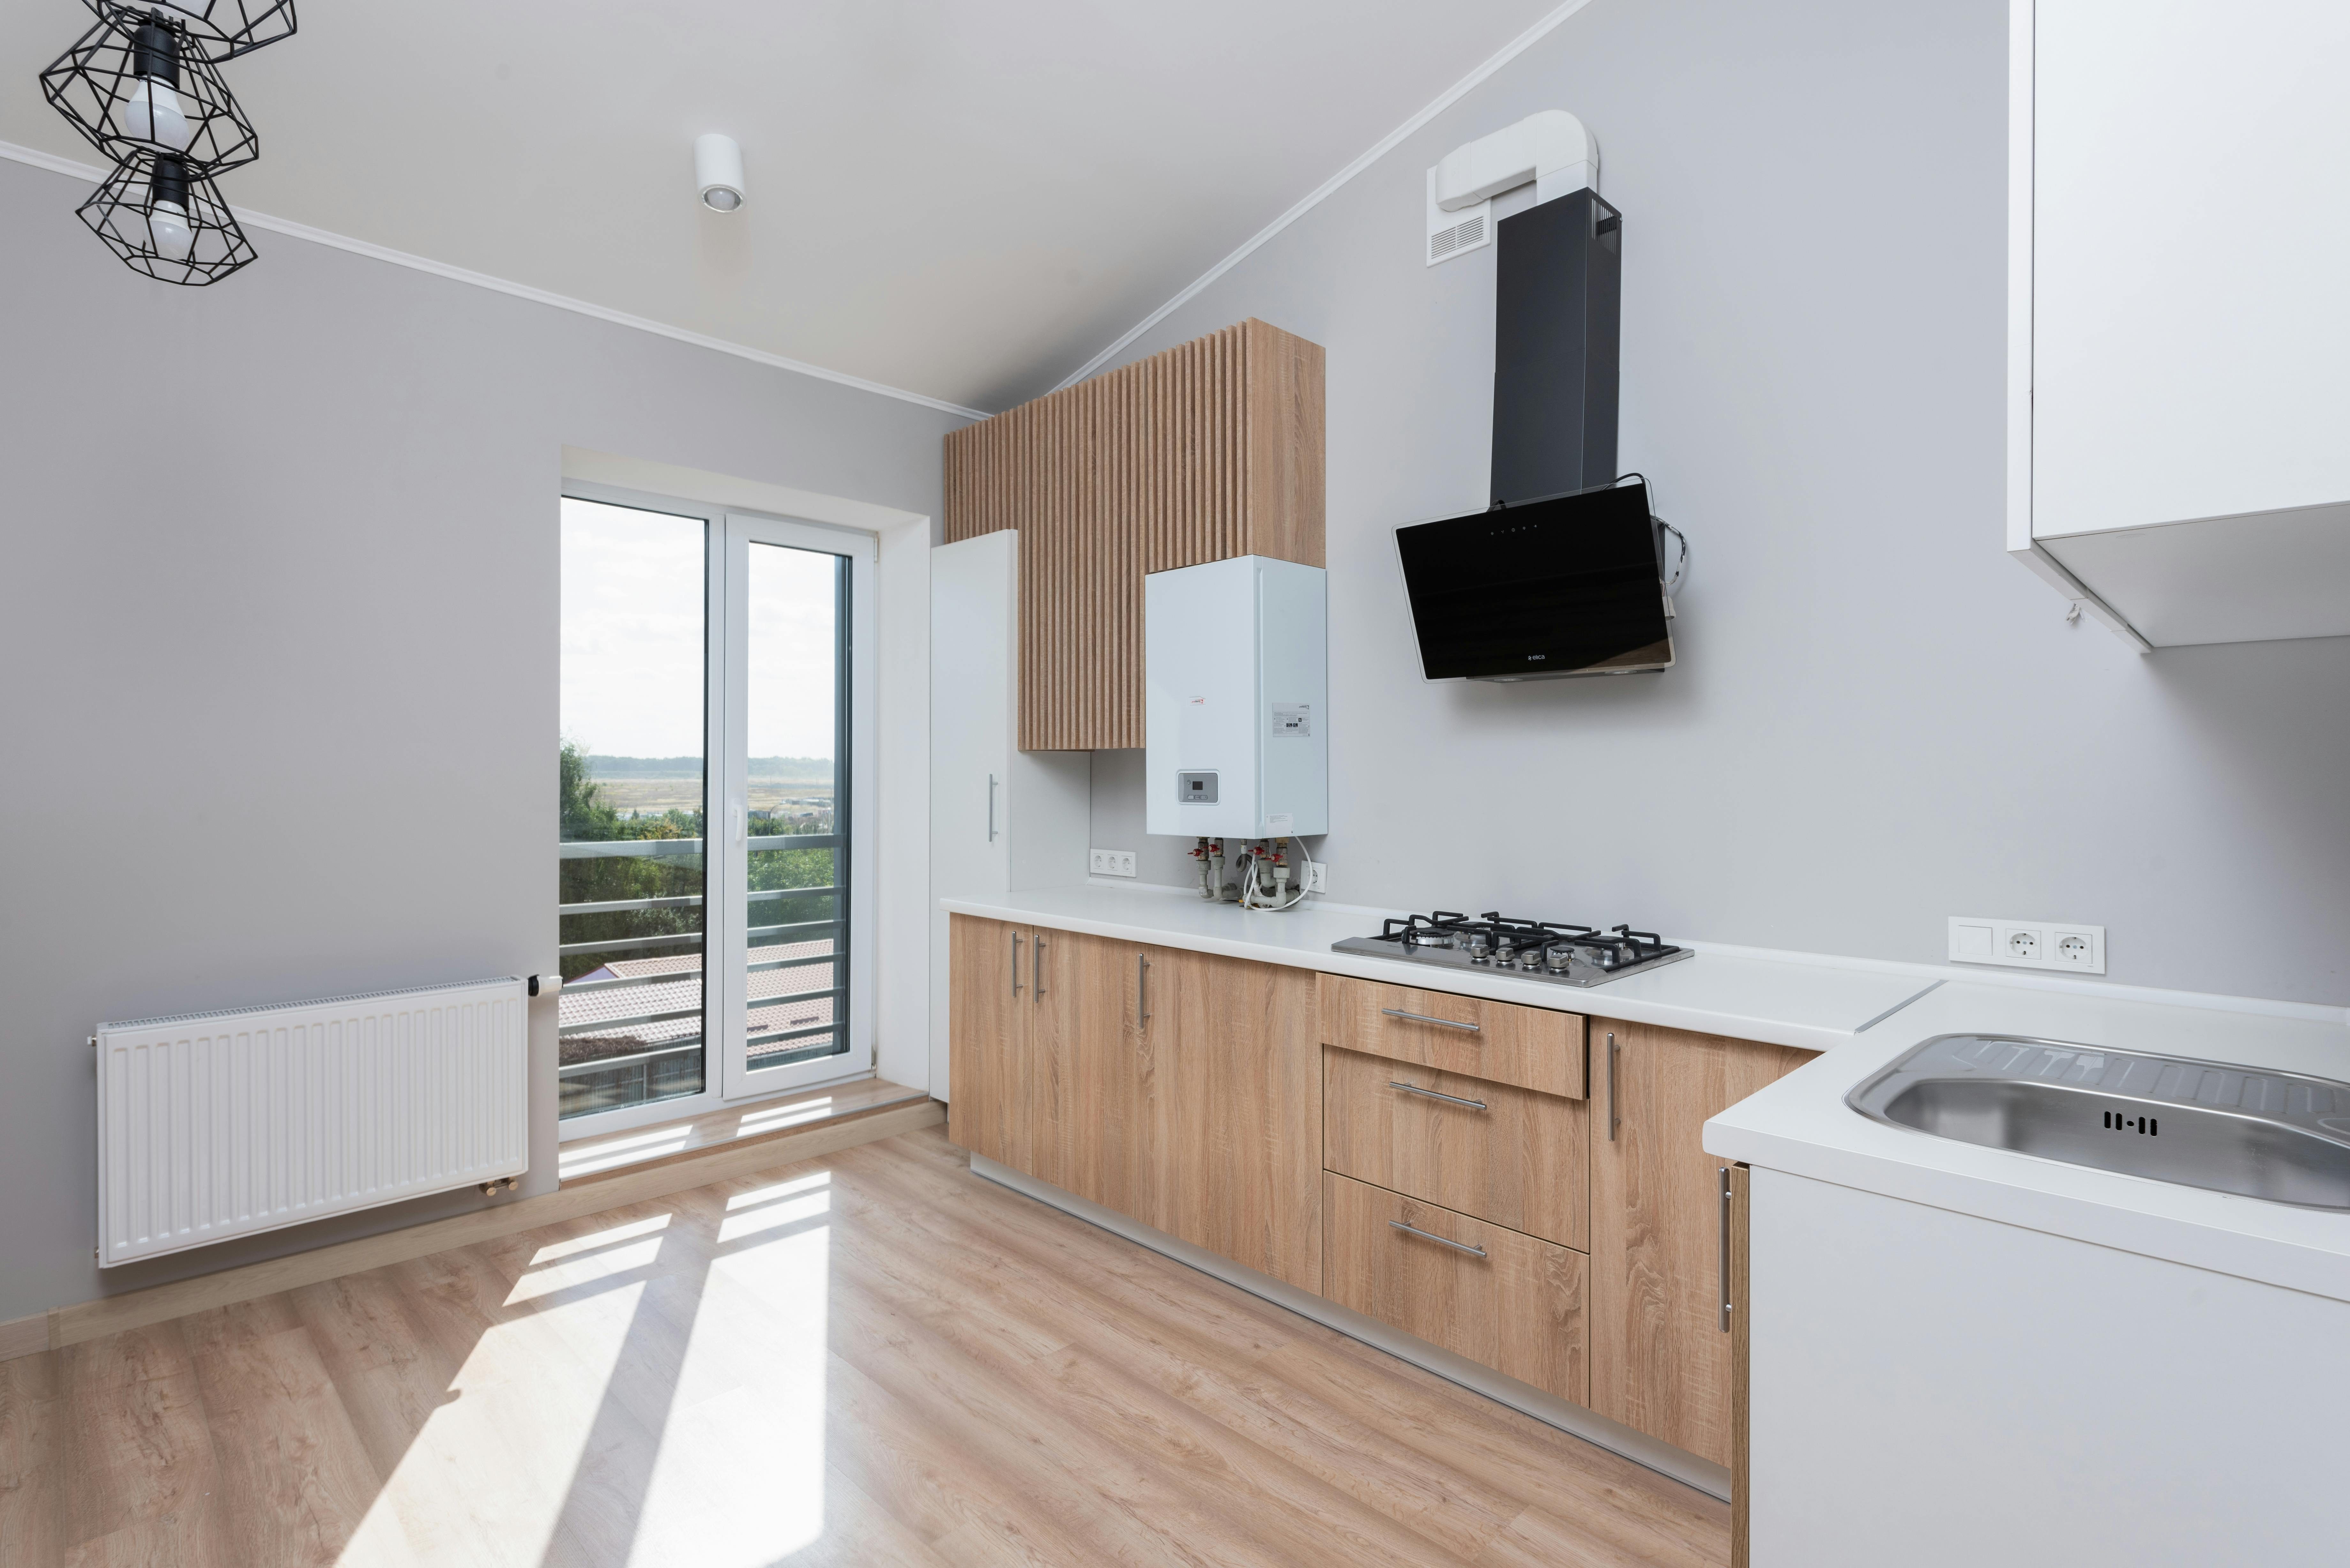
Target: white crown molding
x,y
1321,192
57,165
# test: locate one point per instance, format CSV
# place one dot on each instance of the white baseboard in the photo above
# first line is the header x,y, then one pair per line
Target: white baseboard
x,y
1547,1407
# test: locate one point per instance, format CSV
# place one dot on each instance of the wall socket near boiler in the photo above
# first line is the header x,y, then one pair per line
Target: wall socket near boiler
x,y
1113,862
2028,944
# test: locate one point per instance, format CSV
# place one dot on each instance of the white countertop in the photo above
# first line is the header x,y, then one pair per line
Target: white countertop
x,y
1802,1124
1813,1005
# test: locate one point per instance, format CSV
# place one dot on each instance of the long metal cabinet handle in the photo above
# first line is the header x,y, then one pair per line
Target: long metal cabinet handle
x,y
1424,1018
1444,1241
1613,1121
1038,952
1141,989
1722,1262
991,808
1016,963
1433,1094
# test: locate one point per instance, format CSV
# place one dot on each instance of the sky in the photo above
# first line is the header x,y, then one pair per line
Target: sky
x,y
633,632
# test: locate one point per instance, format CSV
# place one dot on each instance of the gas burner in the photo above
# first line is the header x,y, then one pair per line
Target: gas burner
x,y
1540,949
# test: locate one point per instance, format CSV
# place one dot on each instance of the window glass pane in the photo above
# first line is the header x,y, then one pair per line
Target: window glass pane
x,y
632,874
799,743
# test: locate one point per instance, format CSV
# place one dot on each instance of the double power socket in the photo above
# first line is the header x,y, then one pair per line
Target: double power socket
x,y
2028,944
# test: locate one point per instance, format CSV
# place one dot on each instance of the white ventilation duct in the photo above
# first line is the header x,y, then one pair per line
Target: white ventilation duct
x,y
1551,148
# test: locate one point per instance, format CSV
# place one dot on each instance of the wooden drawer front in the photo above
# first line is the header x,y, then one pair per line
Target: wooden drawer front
x,y
1531,1047
1519,1162
1518,1308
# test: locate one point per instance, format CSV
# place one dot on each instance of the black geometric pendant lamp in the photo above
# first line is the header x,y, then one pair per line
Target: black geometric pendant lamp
x,y
145,88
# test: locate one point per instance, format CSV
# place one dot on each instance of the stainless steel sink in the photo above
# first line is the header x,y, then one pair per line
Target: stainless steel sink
x,y
2277,1135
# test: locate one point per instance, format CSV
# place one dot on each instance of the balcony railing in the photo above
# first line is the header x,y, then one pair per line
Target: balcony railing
x,y
685,997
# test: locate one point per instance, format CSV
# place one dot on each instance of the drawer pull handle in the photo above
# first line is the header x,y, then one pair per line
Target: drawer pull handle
x,y
1424,1018
1442,1240
1433,1094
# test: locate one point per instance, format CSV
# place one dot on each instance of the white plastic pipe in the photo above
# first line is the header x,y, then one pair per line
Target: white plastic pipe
x,y
1550,148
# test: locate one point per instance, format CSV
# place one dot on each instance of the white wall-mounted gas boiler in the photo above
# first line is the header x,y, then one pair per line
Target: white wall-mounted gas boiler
x,y
1236,707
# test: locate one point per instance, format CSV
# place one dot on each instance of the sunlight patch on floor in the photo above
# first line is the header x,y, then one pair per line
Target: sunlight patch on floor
x,y
759,1195
554,1251
740,1478
495,1462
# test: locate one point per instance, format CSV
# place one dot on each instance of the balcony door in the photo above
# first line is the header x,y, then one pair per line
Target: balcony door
x,y
717,679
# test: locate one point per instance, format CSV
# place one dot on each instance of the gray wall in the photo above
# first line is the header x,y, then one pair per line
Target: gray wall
x,y
277,618
1879,720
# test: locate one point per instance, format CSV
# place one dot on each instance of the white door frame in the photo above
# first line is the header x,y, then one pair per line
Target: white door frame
x,y
726,807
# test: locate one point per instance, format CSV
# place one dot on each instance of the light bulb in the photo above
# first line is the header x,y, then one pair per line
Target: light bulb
x,y
155,114
168,226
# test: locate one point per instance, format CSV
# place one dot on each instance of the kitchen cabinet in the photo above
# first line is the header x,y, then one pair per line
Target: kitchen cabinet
x,y
1023,1018
1186,1093
1210,449
2175,320
1532,1047
1662,1357
1494,1150
1511,1302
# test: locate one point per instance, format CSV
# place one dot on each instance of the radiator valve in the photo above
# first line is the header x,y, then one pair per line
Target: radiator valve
x,y
491,1189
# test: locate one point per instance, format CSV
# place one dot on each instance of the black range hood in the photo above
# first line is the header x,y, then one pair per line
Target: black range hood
x,y
1559,275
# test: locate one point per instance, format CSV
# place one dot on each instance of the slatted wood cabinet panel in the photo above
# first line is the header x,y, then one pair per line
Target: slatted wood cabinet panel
x,y
1531,1047
1210,449
1519,1308
1500,1153
1661,1361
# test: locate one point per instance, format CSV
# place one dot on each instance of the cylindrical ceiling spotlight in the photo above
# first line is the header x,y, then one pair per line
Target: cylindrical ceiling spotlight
x,y
217,29
167,220
718,170
142,92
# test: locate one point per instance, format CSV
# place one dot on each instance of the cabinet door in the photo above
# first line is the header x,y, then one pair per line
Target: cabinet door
x,y
1222,1093
1660,1360
981,1014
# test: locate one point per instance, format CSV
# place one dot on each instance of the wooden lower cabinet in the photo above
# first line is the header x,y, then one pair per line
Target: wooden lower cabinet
x,y
1519,1308
1187,1093
1660,1358
1499,1152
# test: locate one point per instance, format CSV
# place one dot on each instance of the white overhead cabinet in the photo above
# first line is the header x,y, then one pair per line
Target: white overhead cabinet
x,y
2180,314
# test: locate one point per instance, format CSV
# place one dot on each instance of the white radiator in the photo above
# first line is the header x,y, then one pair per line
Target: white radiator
x,y
215,1124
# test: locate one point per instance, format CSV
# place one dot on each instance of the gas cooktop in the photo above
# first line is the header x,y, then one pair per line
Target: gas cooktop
x,y
1535,949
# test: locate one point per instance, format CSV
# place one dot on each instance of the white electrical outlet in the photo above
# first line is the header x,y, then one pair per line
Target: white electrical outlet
x,y
1317,877
1113,862
2028,944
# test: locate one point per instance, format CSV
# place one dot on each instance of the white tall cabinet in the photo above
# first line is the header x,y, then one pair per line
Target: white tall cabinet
x,y
1001,819
2180,322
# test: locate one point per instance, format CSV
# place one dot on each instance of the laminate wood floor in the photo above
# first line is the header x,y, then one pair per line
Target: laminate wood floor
x,y
873,1358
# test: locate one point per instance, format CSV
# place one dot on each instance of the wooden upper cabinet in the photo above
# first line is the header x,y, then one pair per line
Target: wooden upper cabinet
x,y
1210,449
1661,1357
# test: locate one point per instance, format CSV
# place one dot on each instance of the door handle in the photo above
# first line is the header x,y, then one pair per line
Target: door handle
x,y
1016,963
1432,1093
1141,989
1722,1260
1613,1121
734,820
991,808
1037,952
1440,1240
1424,1018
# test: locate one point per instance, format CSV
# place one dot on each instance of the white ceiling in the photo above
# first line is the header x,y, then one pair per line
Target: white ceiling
x,y
966,199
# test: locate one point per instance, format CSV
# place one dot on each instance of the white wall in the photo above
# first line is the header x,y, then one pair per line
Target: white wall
x,y
1879,720
279,620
